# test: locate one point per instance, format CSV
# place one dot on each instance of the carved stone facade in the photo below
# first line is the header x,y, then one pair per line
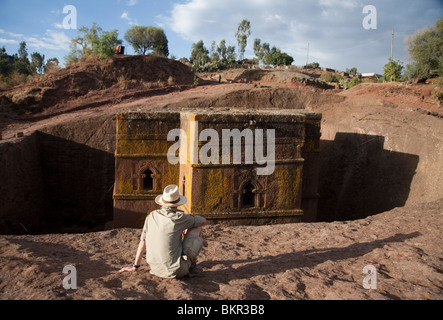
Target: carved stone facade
x,y
222,191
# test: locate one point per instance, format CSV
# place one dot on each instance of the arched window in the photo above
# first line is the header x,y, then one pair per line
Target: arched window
x,y
148,180
249,196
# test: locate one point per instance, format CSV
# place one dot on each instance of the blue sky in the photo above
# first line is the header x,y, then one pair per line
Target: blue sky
x,y
333,28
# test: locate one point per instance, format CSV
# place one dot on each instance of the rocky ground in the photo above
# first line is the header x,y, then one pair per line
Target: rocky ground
x,y
281,262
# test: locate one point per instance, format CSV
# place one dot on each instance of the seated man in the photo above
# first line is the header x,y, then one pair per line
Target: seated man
x,y
172,239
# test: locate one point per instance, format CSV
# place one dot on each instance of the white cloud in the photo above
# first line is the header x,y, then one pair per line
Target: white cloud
x,y
53,40
328,26
58,25
278,22
8,41
333,28
132,2
343,4
15,35
131,21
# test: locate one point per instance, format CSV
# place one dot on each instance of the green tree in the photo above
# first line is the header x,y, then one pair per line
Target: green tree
x,y
93,41
277,58
261,50
231,56
160,47
392,70
22,51
199,54
225,53
22,64
83,43
353,70
242,35
222,51
282,59
38,62
426,51
214,55
104,46
6,63
147,38
137,36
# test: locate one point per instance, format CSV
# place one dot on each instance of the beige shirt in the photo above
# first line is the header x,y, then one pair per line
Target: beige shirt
x,y
162,233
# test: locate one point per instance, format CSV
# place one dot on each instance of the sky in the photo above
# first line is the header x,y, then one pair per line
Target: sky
x,y
340,34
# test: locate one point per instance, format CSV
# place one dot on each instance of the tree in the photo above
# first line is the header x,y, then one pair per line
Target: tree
x,y
22,51
146,38
222,51
199,54
6,63
261,50
52,65
282,59
258,50
353,70
86,37
137,36
160,47
392,70
104,46
426,50
93,41
38,62
214,56
277,58
242,34
231,56
21,63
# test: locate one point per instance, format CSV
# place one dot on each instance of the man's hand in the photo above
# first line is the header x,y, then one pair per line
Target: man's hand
x,y
138,258
128,269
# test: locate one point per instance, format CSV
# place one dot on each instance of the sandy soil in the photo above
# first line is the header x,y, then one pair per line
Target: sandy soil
x,y
283,262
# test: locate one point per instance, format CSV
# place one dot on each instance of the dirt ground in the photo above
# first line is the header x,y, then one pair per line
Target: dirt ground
x,y
278,262
318,261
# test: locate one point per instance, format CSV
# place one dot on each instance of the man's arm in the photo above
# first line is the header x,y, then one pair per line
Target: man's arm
x,y
138,257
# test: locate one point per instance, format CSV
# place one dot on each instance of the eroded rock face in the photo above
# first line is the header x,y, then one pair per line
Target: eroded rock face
x,y
59,179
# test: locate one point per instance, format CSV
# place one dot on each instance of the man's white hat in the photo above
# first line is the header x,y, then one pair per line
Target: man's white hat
x,y
171,197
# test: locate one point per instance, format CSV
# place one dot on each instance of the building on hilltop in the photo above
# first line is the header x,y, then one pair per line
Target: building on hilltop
x,y
234,166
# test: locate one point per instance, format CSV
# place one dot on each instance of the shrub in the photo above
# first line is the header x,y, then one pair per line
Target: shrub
x,y
330,77
392,70
348,84
438,96
313,65
13,79
355,81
